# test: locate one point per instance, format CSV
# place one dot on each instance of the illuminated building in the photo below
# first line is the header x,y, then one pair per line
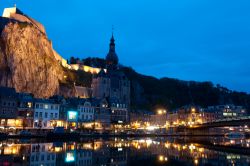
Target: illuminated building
x,y
102,114
82,92
26,110
88,69
8,107
226,111
140,119
186,116
119,111
46,113
69,113
15,13
158,119
86,114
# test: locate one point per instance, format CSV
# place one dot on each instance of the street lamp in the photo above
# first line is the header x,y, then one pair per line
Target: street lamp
x,y
161,111
193,110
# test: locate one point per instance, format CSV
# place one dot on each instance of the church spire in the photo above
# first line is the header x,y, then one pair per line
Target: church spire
x,y
112,40
112,58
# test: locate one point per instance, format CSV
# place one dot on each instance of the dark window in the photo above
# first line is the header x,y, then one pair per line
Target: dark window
x,y
42,158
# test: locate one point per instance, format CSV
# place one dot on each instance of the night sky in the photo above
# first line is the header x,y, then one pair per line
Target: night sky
x,y
201,40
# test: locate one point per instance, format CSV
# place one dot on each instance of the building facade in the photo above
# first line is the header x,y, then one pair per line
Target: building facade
x,y
26,110
8,107
226,111
46,113
185,116
86,114
119,112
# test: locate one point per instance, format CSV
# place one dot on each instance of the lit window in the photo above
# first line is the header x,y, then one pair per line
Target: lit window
x,y
46,106
72,115
29,104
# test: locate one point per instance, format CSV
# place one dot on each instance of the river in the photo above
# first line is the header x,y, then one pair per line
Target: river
x,y
126,151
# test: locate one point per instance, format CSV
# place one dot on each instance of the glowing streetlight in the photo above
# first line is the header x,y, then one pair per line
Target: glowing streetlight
x,y
160,112
193,110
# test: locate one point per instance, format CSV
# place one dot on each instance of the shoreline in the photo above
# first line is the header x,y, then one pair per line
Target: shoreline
x,y
78,136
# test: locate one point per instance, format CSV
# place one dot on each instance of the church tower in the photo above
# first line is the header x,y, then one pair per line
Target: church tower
x,y
112,58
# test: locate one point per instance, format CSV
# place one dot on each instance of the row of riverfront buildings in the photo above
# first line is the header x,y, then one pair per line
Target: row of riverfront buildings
x,y
23,111
189,115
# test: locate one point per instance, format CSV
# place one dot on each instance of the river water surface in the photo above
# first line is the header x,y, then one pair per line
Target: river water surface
x,y
126,152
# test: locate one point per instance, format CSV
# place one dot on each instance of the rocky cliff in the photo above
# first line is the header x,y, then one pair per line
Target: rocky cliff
x,y
27,61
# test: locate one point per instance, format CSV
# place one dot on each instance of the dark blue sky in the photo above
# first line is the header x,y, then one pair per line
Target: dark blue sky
x,y
186,39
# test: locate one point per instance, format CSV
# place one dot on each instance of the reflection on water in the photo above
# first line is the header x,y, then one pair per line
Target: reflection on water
x,y
130,151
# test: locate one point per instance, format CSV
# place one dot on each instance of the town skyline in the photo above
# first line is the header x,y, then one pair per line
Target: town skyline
x,y
169,60
102,108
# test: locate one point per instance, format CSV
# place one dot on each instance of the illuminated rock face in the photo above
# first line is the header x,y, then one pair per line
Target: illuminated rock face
x,y
27,61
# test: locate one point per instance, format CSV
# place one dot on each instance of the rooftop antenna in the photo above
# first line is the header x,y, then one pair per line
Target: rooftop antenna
x,y
15,5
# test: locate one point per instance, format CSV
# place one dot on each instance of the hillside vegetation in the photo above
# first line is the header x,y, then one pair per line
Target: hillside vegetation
x,y
149,92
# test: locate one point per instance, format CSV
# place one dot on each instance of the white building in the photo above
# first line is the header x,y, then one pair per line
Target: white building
x,y
86,112
227,111
46,112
